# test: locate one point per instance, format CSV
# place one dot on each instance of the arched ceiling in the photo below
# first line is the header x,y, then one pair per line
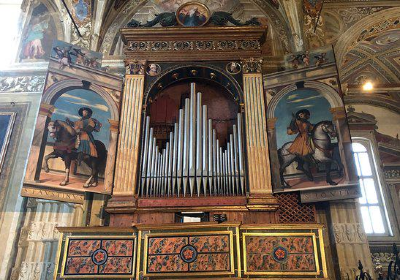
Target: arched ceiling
x,y
375,58
120,12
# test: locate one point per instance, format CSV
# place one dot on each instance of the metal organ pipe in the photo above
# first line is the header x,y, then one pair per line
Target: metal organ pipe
x,y
193,162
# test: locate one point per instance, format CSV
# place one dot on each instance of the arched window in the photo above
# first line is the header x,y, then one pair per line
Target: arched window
x,y
9,15
373,211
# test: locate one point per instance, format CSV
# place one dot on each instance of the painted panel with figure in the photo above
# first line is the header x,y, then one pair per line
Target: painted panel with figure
x,y
74,145
307,141
77,142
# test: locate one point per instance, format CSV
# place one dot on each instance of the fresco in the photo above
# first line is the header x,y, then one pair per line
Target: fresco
x,y
69,55
37,38
81,11
77,141
213,5
193,14
314,58
307,142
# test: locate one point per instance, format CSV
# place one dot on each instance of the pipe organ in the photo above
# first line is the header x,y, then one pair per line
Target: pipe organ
x,y
193,163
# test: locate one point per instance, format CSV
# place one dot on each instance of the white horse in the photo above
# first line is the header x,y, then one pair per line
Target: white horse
x,y
324,152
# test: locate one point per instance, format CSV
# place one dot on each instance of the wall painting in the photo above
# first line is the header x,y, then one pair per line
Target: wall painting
x,y
38,36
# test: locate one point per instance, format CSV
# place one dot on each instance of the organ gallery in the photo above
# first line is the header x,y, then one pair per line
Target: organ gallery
x,y
200,140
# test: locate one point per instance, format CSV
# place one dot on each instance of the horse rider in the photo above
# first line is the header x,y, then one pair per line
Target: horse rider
x,y
84,127
302,146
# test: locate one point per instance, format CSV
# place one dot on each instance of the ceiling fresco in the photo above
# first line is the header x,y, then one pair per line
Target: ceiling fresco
x,y
376,58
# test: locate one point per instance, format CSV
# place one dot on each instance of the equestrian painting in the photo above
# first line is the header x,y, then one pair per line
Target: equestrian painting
x,y
307,141
77,140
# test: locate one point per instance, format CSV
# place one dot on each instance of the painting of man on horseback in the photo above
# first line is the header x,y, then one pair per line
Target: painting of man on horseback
x,y
314,148
74,140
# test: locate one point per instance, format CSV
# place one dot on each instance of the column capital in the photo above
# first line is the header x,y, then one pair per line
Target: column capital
x,y
135,67
252,65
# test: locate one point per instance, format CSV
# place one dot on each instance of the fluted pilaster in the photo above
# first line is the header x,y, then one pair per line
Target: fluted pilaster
x,y
259,173
129,138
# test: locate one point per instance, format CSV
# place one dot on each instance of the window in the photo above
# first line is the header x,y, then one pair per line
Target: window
x,y
9,14
373,210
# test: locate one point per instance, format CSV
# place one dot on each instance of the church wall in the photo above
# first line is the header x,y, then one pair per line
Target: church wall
x,y
27,226
12,204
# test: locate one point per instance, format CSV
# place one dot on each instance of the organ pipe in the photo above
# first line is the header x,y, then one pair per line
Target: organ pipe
x,y
193,163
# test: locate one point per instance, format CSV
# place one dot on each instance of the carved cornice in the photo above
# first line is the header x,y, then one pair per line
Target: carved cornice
x,y
22,84
201,44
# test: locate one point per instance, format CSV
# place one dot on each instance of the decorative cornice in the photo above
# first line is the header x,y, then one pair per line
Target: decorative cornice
x,y
22,84
201,44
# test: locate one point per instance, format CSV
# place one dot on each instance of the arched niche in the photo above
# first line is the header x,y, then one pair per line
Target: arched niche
x,y
325,90
195,72
51,94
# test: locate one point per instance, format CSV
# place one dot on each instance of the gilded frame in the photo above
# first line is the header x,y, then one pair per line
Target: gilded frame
x,y
62,255
146,237
281,231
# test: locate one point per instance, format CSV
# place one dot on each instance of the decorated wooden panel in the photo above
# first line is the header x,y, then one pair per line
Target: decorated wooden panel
x,y
190,253
97,256
282,252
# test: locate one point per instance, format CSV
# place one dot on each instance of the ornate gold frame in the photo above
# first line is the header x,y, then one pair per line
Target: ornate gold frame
x,y
231,253
65,251
303,230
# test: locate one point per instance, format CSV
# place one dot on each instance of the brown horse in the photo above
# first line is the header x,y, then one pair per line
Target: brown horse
x,y
64,147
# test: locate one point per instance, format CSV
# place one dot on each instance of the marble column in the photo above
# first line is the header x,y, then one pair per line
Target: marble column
x,y
35,161
348,239
38,241
129,138
258,164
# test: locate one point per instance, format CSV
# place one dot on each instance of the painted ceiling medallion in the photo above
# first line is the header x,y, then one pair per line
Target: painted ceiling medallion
x,y
81,10
193,14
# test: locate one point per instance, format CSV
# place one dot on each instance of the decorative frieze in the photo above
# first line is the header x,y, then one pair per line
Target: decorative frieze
x,y
382,257
22,84
392,174
193,45
348,233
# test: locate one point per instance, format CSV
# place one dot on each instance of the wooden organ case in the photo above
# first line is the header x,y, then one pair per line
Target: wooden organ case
x,y
193,141
194,170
